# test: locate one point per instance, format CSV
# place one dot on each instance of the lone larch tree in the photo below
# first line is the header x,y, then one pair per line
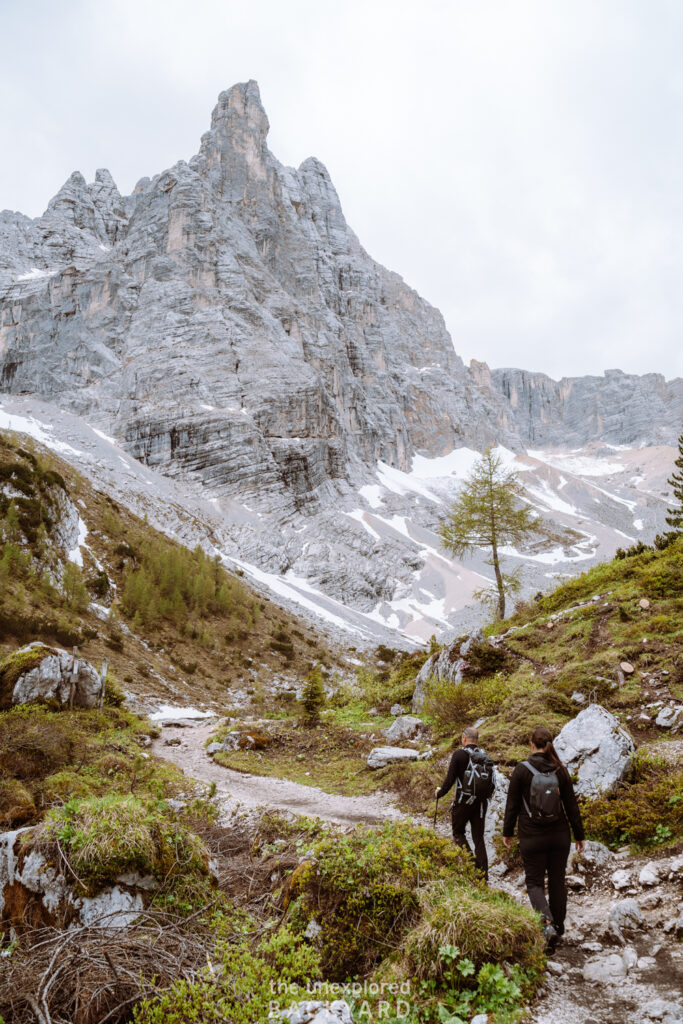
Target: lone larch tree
x,y
488,513
674,515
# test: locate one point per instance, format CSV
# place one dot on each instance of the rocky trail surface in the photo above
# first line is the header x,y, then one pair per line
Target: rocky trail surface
x,y
252,791
621,959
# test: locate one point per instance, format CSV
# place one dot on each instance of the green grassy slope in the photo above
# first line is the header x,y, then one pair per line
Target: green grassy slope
x,y
173,623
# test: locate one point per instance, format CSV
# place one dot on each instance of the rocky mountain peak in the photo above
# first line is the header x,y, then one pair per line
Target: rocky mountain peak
x,y
240,106
233,154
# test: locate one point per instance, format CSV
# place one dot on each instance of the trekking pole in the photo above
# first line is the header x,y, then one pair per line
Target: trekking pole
x,y
436,807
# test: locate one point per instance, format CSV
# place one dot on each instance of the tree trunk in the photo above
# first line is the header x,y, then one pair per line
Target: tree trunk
x,y
499,581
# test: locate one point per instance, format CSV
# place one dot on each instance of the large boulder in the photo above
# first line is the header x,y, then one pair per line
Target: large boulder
x,y
39,672
405,728
380,757
595,749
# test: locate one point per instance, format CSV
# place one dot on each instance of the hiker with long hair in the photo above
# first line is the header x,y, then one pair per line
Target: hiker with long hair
x,y
542,803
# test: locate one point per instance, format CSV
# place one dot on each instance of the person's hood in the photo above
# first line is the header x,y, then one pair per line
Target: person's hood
x,y
543,763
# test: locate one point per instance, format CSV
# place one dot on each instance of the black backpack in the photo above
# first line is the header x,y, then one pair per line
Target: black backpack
x,y
545,802
478,780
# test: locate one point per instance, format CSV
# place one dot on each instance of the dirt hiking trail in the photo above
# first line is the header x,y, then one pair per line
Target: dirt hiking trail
x,y
236,788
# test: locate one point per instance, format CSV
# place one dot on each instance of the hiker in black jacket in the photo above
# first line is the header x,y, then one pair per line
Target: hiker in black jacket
x,y
542,802
465,807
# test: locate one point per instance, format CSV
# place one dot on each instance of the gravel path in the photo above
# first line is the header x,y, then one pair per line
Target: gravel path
x,y
237,788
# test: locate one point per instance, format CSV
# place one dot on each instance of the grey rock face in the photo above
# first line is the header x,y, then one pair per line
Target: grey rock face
x,y
225,325
225,321
448,663
594,747
618,408
47,890
54,678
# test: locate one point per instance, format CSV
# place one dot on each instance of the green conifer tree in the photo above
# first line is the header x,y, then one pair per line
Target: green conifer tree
x,y
313,696
488,513
674,516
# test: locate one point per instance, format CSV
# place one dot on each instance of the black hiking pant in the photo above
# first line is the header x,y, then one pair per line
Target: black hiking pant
x,y
546,853
475,815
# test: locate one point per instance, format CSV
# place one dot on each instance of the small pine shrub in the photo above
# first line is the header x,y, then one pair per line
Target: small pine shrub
x,y
313,696
74,588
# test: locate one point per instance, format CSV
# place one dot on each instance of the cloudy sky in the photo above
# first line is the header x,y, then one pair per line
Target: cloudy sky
x,y
519,162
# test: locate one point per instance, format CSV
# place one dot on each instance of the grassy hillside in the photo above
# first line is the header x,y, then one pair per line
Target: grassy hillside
x,y
173,623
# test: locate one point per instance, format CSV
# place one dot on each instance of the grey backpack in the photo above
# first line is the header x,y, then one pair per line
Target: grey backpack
x,y
545,802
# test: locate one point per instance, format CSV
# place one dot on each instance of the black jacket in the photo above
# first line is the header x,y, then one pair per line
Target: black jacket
x,y
520,785
456,769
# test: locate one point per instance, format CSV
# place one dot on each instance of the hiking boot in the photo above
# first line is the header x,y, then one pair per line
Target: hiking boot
x,y
551,937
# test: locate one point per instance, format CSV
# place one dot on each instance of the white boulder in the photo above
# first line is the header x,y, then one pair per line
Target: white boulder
x,y
624,915
621,879
611,968
670,717
649,874
596,749
380,757
404,729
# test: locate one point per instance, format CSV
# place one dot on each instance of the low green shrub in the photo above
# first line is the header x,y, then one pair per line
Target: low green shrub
x,y
234,986
241,977
484,925
363,887
455,705
113,834
645,809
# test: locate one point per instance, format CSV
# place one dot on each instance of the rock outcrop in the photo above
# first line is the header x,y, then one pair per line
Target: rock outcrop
x,y
618,408
41,673
33,893
226,326
596,749
449,663
224,321
406,727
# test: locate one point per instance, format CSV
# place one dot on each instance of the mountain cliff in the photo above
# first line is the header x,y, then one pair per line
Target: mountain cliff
x,y
224,320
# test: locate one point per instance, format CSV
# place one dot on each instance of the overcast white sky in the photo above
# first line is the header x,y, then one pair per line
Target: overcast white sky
x,y
519,162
